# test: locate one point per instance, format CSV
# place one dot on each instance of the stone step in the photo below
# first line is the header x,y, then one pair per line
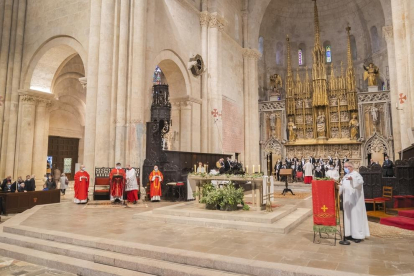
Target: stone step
x,y
130,249
107,258
250,216
64,263
282,226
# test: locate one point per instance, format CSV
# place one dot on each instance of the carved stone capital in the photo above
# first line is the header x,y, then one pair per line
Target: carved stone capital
x,y
204,18
388,32
83,81
28,99
251,53
216,21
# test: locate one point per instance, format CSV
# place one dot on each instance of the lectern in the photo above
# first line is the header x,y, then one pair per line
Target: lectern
x,y
286,172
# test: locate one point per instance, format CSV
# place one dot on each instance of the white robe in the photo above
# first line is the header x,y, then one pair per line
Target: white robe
x,y
131,180
332,174
308,167
356,221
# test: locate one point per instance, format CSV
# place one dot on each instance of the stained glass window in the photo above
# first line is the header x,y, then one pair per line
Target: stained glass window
x,y
157,76
300,56
328,54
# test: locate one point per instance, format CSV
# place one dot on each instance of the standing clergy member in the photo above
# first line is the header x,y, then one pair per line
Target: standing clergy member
x,y
131,185
81,185
155,179
308,168
117,181
356,222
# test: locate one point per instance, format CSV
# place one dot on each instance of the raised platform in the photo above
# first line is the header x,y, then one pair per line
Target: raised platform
x,y
282,220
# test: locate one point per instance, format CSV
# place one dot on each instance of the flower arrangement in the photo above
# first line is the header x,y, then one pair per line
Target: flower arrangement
x,y
226,198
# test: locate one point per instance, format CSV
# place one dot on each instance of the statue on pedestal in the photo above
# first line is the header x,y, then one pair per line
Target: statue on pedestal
x,y
320,124
276,84
371,73
291,130
354,127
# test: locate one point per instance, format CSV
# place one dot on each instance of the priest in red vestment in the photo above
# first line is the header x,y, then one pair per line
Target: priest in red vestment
x,y
81,185
155,179
117,179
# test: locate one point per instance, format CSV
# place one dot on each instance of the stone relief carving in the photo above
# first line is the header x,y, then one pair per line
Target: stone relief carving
x,y
334,117
271,106
273,146
344,116
299,119
340,151
373,97
377,143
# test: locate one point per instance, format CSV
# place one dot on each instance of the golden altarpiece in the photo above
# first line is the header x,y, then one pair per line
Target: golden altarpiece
x,y
320,115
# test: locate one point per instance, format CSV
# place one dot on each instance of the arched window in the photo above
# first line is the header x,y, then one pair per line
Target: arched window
x,y
261,45
301,54
353,47
157,77
279,53
375,41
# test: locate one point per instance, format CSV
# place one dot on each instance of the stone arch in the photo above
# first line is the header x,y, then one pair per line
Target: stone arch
x,y
272,146
175,72
46,61
377,144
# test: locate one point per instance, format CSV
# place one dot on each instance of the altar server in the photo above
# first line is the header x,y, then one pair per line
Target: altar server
x,y
356,222
308,168
131,185
81,185
156,179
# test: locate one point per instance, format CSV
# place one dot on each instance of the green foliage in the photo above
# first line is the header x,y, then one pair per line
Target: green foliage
x,y
227,197
246,207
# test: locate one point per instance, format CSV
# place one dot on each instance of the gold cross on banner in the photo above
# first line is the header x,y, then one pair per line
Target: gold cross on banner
x,y
324,208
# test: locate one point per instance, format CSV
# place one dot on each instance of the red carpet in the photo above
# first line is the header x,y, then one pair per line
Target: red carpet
x,y
406,213
400,222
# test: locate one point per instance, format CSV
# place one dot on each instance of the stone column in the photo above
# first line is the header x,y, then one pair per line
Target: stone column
x,y
389,37
122,83
103,107
215,95
254,130
136,128
24,149
402,78
41,136
175,117
92,86
204,19
185,126
2,2
246,110
10,142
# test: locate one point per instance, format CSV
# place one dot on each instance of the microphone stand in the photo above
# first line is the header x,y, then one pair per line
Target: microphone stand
x,y
344,241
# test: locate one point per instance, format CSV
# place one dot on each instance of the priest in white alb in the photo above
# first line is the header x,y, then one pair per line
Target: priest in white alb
x,y
131,187
356,221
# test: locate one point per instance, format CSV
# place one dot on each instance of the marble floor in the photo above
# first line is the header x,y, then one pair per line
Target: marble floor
x,y
381,254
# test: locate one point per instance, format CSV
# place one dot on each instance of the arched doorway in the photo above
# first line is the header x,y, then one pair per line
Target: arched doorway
x,y
53,103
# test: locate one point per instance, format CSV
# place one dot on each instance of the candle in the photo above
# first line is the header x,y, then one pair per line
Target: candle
x,y
259,169
253,169
207,168
247,169
195,168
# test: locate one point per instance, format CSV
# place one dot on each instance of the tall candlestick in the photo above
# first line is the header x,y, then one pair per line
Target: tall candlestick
x,y
259,168
247,169
253,169
195,168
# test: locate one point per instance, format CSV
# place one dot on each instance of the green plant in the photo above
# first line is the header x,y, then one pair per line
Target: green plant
x,y
231,196
246,207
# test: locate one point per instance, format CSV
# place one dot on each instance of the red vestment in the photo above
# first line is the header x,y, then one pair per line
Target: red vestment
x,y
155,188
117,183
81,186
132,196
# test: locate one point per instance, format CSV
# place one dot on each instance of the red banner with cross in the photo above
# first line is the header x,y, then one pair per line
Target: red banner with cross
x,y
323,196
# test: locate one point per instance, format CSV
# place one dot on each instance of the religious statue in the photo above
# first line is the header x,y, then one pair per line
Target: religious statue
x,y
371,73
320,124
291,130
272,119
374,113
276,84
354,126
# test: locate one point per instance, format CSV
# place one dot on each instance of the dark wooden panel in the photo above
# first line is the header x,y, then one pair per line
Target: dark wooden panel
x,y
60,148
19,202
